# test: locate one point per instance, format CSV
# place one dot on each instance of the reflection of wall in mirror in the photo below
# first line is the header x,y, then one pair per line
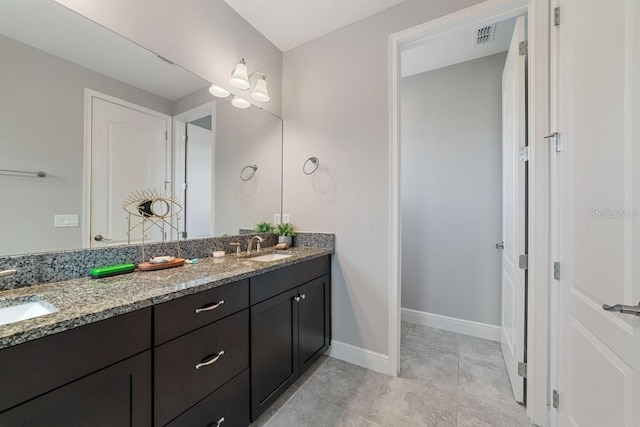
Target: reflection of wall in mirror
x,y
41,128
246,137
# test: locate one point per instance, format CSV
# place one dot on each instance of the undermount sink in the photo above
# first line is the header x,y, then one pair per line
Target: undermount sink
x,y
16,310
270,257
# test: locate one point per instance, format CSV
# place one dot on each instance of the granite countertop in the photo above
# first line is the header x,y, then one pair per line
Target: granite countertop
x,y
85,300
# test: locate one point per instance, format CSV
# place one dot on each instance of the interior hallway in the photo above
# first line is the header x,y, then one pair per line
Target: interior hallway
x,y
446,379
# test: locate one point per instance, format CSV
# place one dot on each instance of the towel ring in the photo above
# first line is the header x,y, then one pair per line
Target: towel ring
x,y
313,160
247,176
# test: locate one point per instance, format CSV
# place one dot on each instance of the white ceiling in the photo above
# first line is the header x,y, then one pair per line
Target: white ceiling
x,y
53,28
453,48
290,23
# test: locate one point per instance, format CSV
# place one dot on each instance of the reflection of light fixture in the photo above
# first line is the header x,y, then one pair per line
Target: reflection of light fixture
x,y
219,91
240,102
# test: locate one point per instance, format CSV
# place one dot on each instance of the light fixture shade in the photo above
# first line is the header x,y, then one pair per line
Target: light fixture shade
x,y
218,91
240,76
240,102
260,92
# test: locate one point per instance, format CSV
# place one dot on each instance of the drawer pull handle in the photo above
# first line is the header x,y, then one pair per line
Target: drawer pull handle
x,y
212,360
209,307
219,423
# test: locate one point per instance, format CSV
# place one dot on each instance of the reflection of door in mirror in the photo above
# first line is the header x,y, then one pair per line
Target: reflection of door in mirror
x,y
194,155
198,169
129,152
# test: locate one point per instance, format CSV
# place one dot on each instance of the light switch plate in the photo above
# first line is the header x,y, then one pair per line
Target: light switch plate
x,y
65,221
286,218
277,219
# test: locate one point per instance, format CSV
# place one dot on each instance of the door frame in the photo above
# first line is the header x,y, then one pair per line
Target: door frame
x,y
89,94
538,27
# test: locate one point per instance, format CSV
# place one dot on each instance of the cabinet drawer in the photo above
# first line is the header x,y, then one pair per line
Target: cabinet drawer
x,y
275,282
231,402
179,384
36,367
179,316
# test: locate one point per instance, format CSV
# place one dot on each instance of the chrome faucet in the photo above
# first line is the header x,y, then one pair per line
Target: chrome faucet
x,y
260,239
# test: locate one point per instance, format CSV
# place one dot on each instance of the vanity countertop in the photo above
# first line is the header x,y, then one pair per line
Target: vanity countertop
x,y
85,300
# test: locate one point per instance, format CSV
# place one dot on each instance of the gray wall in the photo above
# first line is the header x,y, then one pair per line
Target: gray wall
x,y
246,137
41,128
336,107
207,37
451,185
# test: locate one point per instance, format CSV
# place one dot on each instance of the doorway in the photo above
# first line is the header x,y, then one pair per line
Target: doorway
x,y
486,14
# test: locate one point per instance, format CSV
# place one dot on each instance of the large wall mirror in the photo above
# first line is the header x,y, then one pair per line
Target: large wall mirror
x,y
102,117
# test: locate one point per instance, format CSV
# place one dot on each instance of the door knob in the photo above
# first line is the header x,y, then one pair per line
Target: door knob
x,y
624,309
99,238
500,245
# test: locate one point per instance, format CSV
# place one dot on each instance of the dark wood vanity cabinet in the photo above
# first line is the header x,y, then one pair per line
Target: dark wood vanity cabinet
x,y
98,375
201,372
219,357
290,329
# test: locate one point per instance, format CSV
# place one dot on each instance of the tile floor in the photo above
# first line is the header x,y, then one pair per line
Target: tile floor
x,y
446,379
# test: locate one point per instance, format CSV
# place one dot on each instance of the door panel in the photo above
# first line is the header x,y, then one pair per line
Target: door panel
x,y
274,349
598,188
128,153
513,211
313,322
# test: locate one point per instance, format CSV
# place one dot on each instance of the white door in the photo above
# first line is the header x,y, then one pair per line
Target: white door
x,y
598,205
199,168
128,153
513,209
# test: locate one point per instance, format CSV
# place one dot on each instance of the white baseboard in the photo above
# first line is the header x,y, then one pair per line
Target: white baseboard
x,y
461,326
360,356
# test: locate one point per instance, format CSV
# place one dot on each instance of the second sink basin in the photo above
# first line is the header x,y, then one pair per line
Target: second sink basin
x,y
24,308
270,257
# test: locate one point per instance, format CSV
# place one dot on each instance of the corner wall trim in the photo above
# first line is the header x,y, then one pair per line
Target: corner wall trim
x,y
360,356
461,326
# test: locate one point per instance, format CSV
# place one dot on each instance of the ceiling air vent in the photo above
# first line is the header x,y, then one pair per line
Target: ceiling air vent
x,y
485,34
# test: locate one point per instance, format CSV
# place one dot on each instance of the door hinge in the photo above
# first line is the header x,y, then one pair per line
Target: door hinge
x,y
523,262
556,399
556,140
556,270
522,369
166,135
524,154
523,48
556,17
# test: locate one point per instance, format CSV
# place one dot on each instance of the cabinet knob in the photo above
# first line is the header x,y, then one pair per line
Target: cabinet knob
x,y
219,423
210,361
209,307
297,299
303,296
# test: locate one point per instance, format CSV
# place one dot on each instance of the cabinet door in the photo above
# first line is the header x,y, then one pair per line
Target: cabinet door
x,y
274,349
314,321
116,396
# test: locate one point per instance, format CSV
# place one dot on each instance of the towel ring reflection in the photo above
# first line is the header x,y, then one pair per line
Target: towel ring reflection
x,y
246,176
314,161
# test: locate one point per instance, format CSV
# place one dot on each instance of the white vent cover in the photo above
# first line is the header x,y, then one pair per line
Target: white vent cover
x,y
485,34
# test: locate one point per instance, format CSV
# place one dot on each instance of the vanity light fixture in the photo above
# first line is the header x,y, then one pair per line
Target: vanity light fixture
x,y
240,102
240,76
240,79
218,91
